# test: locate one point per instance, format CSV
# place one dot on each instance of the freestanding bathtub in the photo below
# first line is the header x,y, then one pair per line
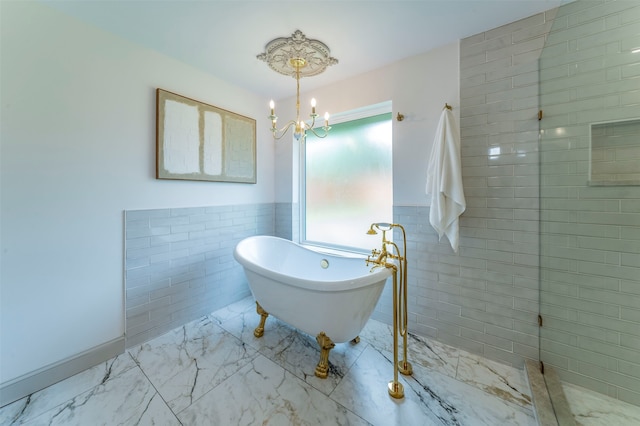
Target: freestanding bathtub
x,y
327,296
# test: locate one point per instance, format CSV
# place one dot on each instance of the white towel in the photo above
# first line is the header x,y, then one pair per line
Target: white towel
x,y
444,180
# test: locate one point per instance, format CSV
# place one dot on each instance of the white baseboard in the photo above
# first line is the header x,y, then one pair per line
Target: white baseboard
x,y
32,382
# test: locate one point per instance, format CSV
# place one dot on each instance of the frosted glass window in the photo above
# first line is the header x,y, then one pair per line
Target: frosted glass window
x,y
348,183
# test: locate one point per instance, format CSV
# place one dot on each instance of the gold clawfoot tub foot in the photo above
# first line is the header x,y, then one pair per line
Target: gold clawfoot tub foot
x,y
259,331
355,340
322,369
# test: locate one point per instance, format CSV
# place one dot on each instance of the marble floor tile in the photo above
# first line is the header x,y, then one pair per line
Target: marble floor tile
x,y
125,397
593,409
295,351
26,409
215,371
264,393
431,398
457,402
240,307
420,351
189,361
39,402
503,381
364,391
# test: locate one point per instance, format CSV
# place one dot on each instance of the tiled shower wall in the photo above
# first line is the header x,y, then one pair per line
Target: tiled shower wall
x,y
179,263
590,235
615,153
485,299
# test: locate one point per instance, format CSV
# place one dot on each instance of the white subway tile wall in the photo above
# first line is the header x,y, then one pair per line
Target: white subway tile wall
x,y
485,299
179,263
590,236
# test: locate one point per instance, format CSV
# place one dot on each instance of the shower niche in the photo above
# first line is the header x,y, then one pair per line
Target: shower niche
x,y
614,153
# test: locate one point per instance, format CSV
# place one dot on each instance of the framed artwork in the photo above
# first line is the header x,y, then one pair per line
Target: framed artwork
x,y
197,141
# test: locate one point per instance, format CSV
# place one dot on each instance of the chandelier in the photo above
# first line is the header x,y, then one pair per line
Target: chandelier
x,y
297,56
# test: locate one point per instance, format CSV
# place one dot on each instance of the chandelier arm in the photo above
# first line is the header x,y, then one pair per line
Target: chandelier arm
x,y
320,135
313,122
283,130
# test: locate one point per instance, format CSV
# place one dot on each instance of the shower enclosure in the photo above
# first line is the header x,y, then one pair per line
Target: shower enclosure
x,y
590,197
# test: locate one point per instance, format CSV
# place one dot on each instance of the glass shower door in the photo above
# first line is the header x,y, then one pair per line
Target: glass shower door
x,y
590,197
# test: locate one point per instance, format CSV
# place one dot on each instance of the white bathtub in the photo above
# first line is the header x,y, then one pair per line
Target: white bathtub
x,y
314,292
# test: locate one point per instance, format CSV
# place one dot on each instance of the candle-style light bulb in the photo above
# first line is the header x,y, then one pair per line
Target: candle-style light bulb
x,y
313,105
272,105
326,119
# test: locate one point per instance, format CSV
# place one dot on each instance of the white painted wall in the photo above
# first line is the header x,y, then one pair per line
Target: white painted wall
x,y
418,88
78,148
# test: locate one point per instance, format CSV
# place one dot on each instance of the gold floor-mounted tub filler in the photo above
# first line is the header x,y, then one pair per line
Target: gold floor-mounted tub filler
x,y
390,256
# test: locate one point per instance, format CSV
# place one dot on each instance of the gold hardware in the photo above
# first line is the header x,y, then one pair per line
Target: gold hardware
x,y
405,367
398,264
540,114
400,117
396,390
297,63
539,320
355,340
447,106
259,331
322,369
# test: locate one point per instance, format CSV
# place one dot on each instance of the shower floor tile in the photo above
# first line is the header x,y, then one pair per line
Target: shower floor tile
x,y
507,383
593,409
215,371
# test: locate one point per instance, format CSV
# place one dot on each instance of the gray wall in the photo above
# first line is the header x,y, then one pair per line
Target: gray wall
x,y
179,263
288,221
590,235
485,299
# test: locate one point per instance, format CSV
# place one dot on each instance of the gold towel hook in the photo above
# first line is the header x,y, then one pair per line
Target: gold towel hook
x,y
447,106
400,117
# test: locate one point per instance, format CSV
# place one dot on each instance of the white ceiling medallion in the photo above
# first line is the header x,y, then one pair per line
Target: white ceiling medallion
x,y
283,55
297,56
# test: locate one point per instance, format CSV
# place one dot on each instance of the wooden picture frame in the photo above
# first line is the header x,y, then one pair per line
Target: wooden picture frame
x,y
197,141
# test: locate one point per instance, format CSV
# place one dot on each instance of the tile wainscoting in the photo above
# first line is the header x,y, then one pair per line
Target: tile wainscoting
x,y
179,263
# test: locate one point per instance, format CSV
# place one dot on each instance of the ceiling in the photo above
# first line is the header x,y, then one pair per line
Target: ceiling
x,y
223,37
